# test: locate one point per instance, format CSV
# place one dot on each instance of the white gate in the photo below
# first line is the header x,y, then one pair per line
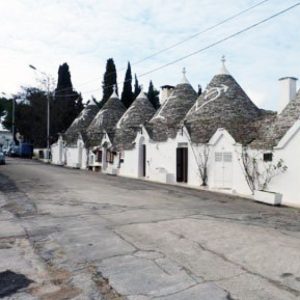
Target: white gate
x,y
223,170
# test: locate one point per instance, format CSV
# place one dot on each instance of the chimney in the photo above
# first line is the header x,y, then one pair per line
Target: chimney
x,y
165,92
288,91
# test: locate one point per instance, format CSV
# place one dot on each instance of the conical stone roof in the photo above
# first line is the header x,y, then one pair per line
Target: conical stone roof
x,y
223,104
105,120
166,122
273,133
81,123
139,112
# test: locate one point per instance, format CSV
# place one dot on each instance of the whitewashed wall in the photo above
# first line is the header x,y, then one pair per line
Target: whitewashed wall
x,y
129,167
57,152
288,183
160,160
77,156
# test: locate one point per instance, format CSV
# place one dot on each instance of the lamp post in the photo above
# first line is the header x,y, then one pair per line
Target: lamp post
x,y
47,81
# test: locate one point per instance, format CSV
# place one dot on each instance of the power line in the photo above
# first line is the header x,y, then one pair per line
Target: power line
x,y
232,17
222,40
201,32
213,44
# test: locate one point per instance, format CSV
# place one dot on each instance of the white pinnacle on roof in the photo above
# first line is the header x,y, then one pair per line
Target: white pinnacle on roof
x,y
114,94
141,94
184,80
223,70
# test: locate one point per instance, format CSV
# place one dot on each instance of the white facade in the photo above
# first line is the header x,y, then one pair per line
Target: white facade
x,y
76,156
58,152
225,168
288,183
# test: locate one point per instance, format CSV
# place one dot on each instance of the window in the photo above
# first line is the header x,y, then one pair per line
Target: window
x,y
223,156
218,156
110,156
227,157
99,156
268,156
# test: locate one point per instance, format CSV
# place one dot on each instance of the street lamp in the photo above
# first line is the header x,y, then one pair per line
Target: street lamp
x,y
48,106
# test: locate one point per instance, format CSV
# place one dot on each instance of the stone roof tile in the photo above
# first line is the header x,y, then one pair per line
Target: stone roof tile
x,y
80,124
167,120
223,104
139,112
105,120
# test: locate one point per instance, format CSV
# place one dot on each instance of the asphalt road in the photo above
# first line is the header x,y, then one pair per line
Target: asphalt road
x,y
83,235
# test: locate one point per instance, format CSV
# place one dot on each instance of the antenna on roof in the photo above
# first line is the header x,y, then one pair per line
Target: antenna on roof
x,y
223,70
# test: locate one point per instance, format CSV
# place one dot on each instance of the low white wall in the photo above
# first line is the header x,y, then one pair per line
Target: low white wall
x,y
288,183
55,154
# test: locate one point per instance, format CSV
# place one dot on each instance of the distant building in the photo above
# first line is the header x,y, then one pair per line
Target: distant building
x,y
6,138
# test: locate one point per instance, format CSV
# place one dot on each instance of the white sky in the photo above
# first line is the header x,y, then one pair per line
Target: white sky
x,y
84,33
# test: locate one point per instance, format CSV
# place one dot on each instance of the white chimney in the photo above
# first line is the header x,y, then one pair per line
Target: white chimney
x,y
288,91
165,92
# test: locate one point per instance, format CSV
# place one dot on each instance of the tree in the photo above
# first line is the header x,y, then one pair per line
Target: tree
x,y
66,105
127,94
153,95
30,115
64,78
259,173
3,108
137,87
109,81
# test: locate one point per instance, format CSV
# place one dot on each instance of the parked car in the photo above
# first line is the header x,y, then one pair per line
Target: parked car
x,y
13,151
2,158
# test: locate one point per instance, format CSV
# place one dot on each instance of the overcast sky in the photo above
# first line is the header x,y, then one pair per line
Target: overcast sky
x,y
84,33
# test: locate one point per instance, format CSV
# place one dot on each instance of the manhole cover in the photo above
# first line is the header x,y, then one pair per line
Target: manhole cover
x,y
11,282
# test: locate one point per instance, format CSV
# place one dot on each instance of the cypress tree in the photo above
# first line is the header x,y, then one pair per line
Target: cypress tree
x,y
64,78
109,80
127,94
153,95
137,87
66,105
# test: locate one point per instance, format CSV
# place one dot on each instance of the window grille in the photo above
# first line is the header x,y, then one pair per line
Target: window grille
x,y
227,156
218,156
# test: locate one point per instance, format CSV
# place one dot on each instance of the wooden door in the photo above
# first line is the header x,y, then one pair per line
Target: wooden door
x,y
182,164
223,170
